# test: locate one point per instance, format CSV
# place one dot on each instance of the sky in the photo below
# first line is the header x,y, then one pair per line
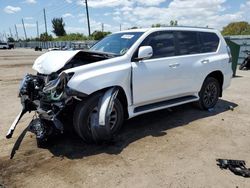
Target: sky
x,y
112,13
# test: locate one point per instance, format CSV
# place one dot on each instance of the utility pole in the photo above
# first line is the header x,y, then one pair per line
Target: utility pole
x,y
37,29
87,11
120,27
5,36
24,30
16,33
45,21
102,27
10,33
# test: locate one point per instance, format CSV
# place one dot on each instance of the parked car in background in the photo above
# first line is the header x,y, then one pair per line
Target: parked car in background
x,y
4,45
122,76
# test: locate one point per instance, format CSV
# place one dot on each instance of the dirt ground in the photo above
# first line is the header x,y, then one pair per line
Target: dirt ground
x,y
167,148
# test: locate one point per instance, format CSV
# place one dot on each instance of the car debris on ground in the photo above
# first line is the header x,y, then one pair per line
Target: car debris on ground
x,y
236,166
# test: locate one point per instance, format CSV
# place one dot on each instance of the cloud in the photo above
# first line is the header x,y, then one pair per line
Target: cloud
x,y
150,2
106,3
67,15
27,25
11,10
28,18
69,1
212,13
30,1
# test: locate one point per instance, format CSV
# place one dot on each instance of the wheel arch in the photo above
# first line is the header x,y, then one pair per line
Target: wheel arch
x,y
121,96
218,75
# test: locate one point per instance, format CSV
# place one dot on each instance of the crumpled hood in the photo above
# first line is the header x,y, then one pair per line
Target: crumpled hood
x,y
53,61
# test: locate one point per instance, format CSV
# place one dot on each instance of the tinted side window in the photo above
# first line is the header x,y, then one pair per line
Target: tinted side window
x,y
188,42
210,42
162,43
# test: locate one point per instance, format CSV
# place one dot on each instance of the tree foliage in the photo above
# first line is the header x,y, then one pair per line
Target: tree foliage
x,y
45,37
98,35
157,25
173,23
237,28
72,37
11,39
58,27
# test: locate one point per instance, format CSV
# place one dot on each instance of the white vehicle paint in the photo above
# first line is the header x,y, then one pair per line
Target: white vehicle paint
x,y
4,45
150,69
152,80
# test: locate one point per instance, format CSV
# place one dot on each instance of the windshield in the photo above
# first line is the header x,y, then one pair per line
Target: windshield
x,y
117,44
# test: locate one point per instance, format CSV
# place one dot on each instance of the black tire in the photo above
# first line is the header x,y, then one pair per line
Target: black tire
x,y
209,93
83,111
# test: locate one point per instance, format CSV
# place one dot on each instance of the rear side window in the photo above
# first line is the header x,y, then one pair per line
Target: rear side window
x,y
209,42
163,44
188,42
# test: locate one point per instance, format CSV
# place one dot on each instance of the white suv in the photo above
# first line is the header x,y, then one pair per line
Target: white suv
x,y
124,75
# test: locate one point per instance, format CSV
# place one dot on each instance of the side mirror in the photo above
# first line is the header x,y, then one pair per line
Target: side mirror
x,y
145,52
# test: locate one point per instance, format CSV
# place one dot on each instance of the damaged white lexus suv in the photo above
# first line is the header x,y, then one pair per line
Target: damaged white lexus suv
x,y
124,75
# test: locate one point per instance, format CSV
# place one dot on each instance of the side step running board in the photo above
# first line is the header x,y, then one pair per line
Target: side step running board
x,y
165,103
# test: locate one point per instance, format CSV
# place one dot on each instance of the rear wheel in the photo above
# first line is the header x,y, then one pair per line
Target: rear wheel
x,y
86,114
209,93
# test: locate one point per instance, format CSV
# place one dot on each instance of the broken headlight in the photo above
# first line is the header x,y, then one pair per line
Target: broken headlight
x,y
54,89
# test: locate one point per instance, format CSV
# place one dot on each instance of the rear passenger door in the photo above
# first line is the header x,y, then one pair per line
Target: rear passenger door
x,y
189,57
197,58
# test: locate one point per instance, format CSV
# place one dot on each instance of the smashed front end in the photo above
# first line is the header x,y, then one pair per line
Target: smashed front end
x,y
52,101
47,96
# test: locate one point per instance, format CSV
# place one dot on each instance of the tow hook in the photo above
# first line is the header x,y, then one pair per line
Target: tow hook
x,y
101,128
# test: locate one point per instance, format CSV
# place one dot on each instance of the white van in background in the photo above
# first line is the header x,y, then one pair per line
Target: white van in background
x,y
4,45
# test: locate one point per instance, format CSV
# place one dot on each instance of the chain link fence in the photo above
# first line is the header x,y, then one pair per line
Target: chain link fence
x,y
56,44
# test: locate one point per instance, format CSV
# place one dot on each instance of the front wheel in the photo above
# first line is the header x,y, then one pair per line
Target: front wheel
x,y
86,114
209,93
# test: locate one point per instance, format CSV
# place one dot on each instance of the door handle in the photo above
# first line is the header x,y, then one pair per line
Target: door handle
x,y
175,65
205,61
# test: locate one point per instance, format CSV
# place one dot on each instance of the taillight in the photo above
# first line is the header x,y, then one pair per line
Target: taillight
x,y
229,54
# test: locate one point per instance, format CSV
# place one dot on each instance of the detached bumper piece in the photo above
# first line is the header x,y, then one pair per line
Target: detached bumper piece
x,y
236,166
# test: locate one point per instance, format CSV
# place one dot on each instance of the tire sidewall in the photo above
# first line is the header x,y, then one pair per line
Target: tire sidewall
x,y
83,111
209,80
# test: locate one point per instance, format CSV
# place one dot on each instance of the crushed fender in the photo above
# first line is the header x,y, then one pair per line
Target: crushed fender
x,y
101,128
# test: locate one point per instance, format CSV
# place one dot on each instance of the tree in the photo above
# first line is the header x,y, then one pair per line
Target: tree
x,y
157,25
11,39
45,37
98,35
58,27
173,23
134,27
237,28
72,37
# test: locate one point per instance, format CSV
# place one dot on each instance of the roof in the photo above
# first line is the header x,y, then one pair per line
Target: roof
x,y
168,28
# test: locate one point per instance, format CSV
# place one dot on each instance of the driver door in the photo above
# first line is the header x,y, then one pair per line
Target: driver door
x,y
156,79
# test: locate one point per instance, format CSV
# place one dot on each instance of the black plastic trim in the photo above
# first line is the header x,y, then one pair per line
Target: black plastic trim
x,y
164,103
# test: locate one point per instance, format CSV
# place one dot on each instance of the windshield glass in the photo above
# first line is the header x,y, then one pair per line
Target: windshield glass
x,y
118,43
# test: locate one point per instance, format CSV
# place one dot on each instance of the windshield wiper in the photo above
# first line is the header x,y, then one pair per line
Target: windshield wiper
x,y
103,54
